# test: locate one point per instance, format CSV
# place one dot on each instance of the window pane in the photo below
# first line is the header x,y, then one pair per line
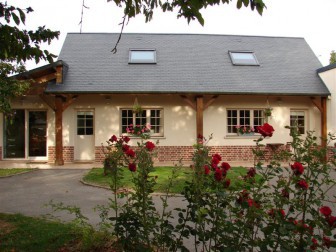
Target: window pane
x,y
80,131
89,123
297,120
142,56
84,122
243,58
89,131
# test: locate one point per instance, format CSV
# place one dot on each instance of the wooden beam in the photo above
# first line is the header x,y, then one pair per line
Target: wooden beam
x,y
59,74
59,130
317,104
69,101
199,116
45,78
189,101
50,101
324,133
212,99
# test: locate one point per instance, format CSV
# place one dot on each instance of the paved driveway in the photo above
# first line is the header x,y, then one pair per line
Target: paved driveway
x,y
28,193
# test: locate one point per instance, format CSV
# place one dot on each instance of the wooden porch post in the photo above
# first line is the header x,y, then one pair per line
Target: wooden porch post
x,y
199,115
324,133
59,130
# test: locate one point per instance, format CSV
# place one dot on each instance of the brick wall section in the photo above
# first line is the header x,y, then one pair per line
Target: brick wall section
x,y
51,154
175,153
100,154
68,154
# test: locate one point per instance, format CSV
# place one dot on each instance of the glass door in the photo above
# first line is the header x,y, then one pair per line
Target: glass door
x,y
37,135
14,134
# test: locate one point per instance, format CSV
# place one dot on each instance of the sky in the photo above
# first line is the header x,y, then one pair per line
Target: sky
x,y
311,19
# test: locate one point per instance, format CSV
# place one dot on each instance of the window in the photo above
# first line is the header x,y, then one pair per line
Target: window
x,y
142,56
85,123
243,58
244,117
154,117
297,121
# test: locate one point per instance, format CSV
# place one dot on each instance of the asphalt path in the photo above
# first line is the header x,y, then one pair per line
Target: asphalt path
x,y
31,193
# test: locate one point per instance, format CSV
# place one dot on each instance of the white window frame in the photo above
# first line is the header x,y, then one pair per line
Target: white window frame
x,y
85,127
251,118
303,113
133,116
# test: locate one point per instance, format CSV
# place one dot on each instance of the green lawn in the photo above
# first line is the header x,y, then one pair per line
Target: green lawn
x,y
96,176
12,171
21,233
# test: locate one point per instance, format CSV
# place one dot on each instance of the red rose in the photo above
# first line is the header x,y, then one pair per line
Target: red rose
x,y
325,210
243,196
285,193
125,147
252,203
326,241
150,146
113,138
227,183
266,130
126,139
225,166
218,175
314,245
217,156
215,161
130,153
297,168
251,172
132,167
302,184
331,221
206,169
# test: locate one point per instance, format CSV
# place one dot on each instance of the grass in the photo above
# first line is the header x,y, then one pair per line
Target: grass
x,y
95,176
12,171
21,233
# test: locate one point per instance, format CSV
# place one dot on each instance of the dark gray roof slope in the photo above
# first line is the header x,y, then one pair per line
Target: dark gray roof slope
x,y
189,63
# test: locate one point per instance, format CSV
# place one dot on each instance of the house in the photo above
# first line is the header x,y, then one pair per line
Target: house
x,y
186,84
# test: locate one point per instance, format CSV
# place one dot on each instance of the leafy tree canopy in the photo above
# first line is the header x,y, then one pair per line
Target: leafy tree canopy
x,y
189,9
16,47
332,59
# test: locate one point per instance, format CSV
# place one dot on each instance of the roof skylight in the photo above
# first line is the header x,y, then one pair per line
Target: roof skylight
x,y
142,56
243,58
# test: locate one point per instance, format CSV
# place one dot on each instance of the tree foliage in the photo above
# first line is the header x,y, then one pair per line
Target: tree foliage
x,y
18,45
332,59
188,9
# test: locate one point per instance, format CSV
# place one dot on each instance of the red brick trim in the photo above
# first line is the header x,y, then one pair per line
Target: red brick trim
x,y
68,154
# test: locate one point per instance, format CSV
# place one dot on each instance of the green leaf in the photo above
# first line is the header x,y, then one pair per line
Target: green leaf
x,y
239,4
15,18
22,15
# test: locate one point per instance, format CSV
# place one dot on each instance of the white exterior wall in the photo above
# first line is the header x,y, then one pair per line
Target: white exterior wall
x,y
329,78
179,119
215,121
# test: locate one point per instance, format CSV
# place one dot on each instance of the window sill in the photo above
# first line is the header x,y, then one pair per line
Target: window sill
x,y
255,136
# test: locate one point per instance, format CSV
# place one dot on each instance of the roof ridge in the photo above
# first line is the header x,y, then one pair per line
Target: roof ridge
x,y
183,34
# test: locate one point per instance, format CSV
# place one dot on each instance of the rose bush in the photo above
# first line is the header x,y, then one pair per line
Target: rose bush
x,y
285,210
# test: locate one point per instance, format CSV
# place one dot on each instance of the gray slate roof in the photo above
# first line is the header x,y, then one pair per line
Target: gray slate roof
x,y
189,63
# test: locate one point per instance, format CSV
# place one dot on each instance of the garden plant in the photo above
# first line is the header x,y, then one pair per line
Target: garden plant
x,y
290,208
